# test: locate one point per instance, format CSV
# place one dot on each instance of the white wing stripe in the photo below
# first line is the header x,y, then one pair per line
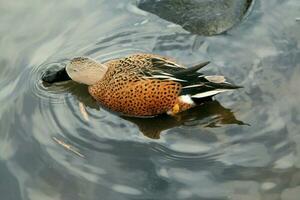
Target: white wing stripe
x,y
165,77
191,86
210,93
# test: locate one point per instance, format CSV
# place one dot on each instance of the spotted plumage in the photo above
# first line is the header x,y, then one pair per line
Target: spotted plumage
x,y
127,87
145,84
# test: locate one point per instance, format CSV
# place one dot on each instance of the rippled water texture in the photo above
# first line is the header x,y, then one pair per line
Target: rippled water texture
x,y
57,143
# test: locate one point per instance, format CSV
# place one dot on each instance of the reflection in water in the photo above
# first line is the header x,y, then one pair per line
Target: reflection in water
x,y
208,114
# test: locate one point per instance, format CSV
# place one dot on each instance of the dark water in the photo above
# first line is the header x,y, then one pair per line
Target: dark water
x,y
56,143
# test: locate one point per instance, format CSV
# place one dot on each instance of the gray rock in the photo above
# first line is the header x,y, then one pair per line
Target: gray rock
x,y
203,17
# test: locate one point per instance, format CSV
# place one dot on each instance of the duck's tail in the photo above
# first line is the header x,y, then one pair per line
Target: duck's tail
x,y
199,89
208,86
198,85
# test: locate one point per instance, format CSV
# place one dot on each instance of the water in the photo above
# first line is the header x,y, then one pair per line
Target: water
x,y
56,143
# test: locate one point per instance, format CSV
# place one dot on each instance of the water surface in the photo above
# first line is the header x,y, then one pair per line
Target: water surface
x,y
57,143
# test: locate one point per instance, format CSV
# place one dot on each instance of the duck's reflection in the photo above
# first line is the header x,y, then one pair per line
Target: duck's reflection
x,y
209,113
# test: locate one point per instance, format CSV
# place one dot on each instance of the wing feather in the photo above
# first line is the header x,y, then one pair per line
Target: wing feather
x,y
193,83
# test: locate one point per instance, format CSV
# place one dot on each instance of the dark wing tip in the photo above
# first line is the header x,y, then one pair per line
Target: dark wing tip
x,y
233,86
189,71
199,66
224,85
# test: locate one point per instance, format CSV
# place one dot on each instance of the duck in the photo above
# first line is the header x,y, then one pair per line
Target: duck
x,y
143,85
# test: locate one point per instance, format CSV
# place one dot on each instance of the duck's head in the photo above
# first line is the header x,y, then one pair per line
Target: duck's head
x,y
85,70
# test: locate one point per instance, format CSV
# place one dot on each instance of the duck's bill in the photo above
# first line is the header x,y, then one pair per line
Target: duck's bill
x,y
56,76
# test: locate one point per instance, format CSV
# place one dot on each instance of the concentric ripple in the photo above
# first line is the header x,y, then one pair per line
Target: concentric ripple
x,y
55,93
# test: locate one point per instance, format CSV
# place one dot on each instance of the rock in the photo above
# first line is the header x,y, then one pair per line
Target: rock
x,y
203,17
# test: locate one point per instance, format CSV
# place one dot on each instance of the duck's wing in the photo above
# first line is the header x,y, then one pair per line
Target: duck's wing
x,y
194,83
162,63
153,67
164,69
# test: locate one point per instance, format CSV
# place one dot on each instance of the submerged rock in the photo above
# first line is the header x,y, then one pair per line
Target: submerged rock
x,y
203,17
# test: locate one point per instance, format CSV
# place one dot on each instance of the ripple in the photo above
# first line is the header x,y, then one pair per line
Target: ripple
x,y
56,93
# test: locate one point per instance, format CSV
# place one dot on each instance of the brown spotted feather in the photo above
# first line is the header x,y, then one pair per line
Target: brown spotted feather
x,y
125,90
